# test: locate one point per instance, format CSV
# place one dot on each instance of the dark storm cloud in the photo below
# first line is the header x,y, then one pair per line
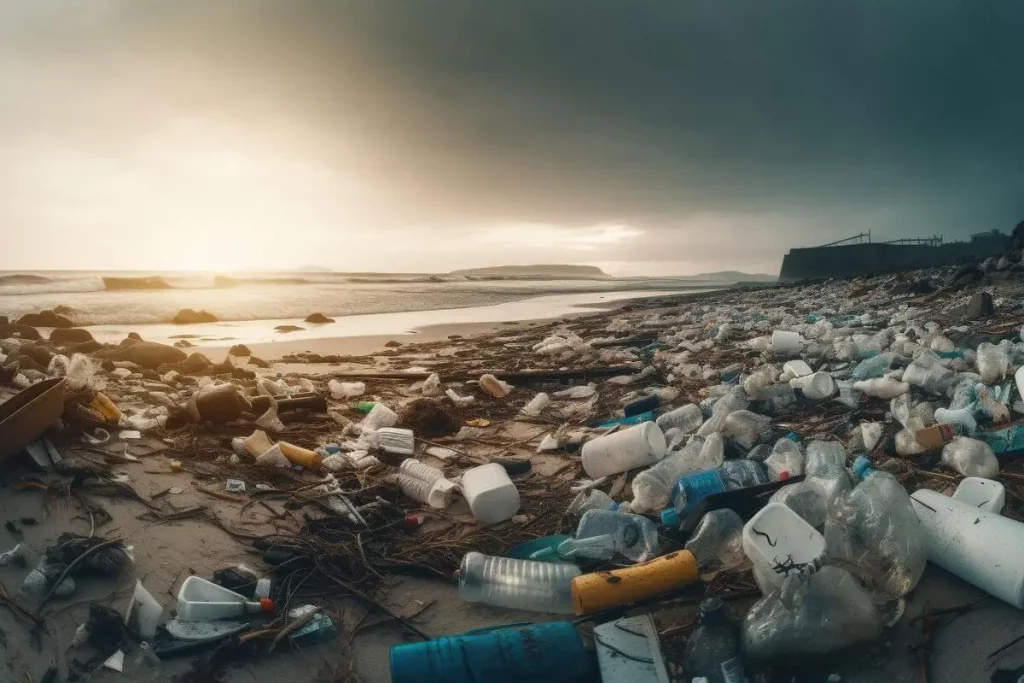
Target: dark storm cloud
x,y
783,122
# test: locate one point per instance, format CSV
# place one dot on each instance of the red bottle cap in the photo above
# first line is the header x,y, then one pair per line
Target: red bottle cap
x,y
783,475
267,605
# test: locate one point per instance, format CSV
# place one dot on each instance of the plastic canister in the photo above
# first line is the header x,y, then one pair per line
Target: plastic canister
x,y
491,495
600,590
202,600
779,542
643,444
539,653
978,492
982,548
785,343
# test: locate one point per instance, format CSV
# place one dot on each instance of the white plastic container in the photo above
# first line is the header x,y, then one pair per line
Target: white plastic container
x,y
981,547
491,495
797,368
980,493
785,343
202,600
817,386
638,446
425,483
773,537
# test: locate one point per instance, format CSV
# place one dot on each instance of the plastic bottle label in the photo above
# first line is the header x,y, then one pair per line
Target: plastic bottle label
x,y
732,670
700,485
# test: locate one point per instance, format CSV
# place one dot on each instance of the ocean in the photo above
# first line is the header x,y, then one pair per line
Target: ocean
x,y
364,303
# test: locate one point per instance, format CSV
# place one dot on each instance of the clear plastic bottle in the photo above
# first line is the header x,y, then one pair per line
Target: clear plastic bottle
x,y
775,398
606,534
720,411
517,584
712,651
875,367
652,488
717,542
745,427
882,387
145,667
927,372
695,487
875,532
786,458
686,419
595,499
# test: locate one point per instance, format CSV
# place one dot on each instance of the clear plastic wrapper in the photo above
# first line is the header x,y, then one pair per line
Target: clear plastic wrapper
x,y
687,419
970,457
823,456
993,363
875,533
816,614
745,427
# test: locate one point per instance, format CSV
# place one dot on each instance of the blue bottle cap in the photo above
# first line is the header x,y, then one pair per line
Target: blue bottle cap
x,y
862,467
670,518
793,436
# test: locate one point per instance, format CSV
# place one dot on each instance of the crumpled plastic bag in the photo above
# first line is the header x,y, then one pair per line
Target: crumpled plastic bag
x,y
970,457
816,614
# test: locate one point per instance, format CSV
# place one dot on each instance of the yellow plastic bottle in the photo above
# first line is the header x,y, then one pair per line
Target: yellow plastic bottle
x,y
600,590
105,407
297,455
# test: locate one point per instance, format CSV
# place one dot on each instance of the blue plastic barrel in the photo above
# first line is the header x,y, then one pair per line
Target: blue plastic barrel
x,y
539,653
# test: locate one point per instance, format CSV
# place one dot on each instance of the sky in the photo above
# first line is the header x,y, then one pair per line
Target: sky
x,y
648,137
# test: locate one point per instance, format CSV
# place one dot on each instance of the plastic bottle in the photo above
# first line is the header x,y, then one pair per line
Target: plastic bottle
x,y
340,390
517,584
927,373
963,417
652,488
807,499
786,459
877,366
712,650
720,412
875,532
745,427
687,419
145,666
494,386
595,499
882,387
379,416
693,488
970,457
537,405
776,398
637,446
717,542
600,590
605,534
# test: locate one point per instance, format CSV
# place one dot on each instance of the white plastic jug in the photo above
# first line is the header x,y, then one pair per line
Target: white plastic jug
x,y
637,446
779,542
202,600
491,495
981,547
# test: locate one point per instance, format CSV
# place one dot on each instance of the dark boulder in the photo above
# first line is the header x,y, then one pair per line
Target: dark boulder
x,y
91,346
20,331
258,362
38,353
183,344
134,335
239,350
70,335
318,318
980,306
151,355
63,310
393,344
194,364
289,328
27,362
45,318
187,316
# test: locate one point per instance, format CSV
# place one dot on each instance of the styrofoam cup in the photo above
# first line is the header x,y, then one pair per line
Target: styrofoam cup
x,y
619,451
773,537
816,387
786,343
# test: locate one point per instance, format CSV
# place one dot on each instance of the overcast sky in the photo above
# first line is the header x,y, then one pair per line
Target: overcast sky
x,y
645,136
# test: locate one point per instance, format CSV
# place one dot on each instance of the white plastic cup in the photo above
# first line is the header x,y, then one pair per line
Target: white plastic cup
x,y
773,537
786,343
491,495
816,387
983,548
638,446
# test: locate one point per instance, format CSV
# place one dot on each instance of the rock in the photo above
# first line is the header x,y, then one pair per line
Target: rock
x,y
429,417
966,276
239,350
63,310
182,344
45,318
258,362
980,306
152,355
134,335
289,328
187,316
70,335
150,375
26,362
91,346
242,373
393,344
195,364
318,318
20,331
4,320
38,353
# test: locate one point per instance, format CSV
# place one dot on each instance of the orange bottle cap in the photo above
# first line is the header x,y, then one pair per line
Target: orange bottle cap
x,y
268,605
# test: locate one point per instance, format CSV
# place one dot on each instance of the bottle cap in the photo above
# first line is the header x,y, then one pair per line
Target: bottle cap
x,y
783,475
862,467
267,605
670,518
